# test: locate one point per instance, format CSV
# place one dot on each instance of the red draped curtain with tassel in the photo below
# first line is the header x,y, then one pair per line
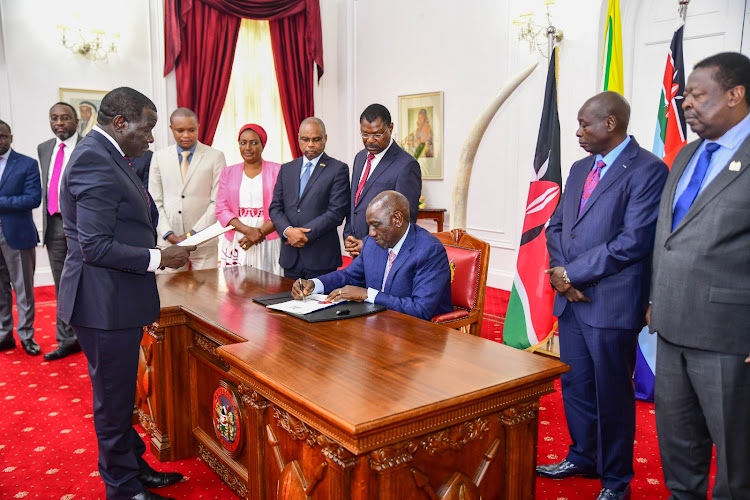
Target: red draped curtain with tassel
x,y
200,39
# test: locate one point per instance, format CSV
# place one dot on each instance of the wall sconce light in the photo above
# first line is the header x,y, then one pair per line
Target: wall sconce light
x,y
95,44
534,33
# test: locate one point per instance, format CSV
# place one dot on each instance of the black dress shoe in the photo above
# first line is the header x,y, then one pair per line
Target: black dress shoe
x,y
561,470
31,347
7,344
63,351
152,479
607,494
150,495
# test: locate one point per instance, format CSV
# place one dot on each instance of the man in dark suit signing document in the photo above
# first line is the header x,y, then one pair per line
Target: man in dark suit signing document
x,y
108,288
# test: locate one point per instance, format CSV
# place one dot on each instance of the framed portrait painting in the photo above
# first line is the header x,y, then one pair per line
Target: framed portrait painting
x,y
86,104
421,131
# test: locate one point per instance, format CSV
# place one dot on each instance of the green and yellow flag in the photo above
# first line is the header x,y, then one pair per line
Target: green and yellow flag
x,y
612,54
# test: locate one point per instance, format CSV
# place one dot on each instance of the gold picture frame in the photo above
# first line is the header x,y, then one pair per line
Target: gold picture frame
x,y
86,104
421,130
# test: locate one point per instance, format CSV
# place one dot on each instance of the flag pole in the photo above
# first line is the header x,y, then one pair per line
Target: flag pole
x,y
683,9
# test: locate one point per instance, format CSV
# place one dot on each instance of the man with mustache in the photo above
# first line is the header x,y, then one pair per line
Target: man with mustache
x,y
701,289
402,266
600,241
382,165
53,158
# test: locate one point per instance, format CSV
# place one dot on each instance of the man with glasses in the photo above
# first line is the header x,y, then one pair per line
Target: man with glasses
x,y
381,166
310,200
53,158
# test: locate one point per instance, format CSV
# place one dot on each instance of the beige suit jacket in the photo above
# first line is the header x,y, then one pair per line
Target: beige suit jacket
x,y
190,205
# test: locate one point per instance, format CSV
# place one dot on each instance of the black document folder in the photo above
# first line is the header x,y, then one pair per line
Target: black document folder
x,y
333,313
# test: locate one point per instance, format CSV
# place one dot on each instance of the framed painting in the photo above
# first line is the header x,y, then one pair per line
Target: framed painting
x,y
86,104
421,131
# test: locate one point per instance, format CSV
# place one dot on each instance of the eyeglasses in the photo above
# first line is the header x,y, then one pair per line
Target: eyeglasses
x,y
376,136
314,140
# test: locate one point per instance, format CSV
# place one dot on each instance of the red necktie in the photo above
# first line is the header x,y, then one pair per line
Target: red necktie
x,y
361,186
52,202
391,258
591,181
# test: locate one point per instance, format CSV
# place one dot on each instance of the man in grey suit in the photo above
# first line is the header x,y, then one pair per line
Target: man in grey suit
x,y
701,289
53,158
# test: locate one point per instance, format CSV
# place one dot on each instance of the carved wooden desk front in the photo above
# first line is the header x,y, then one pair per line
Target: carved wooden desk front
x,y
382,407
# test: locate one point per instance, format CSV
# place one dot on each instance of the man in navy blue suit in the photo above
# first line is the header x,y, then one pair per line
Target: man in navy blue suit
x,y
310,200
108,288
600,241
382,165
402,266
20,192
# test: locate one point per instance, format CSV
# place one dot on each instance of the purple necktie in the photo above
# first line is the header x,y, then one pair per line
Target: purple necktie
x,y
52,202
391,258
591,181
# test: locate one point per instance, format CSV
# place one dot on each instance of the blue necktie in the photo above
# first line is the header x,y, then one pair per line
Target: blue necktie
x,y
305,178
691,191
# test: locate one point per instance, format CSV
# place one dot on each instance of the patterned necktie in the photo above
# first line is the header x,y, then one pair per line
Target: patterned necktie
x,y
305,177
362,181
691,191
591,181
184,165
52,201
391,258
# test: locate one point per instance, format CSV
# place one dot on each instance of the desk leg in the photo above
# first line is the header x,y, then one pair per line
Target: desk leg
x,y
521,430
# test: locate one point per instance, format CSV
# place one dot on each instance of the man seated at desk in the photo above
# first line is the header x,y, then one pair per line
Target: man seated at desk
x,y
402,266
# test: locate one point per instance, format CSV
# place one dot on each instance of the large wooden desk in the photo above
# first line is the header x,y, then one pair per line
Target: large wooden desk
x,y
381,407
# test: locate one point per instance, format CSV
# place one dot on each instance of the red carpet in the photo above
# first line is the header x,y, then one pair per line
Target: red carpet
x,y
48,447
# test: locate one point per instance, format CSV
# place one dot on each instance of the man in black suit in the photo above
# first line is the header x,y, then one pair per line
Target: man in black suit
x,y
108,288
310,200
381,166
53,158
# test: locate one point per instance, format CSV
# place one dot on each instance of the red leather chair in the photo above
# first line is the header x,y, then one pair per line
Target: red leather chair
x,y
469,258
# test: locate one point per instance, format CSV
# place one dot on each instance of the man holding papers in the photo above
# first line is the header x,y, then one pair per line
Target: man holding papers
x,y
402,266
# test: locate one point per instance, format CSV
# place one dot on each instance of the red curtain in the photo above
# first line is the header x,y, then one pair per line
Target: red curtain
x,y
200,39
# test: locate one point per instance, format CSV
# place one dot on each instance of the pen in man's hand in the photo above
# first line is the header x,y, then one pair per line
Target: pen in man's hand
x,y
301,289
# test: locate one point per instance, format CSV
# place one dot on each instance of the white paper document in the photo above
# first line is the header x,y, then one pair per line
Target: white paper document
x,y
203,236
314,302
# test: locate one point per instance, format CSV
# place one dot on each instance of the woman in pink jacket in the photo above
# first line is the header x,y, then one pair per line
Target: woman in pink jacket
x,y
245,192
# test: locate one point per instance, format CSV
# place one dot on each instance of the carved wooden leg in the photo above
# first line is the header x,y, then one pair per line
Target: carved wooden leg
x,y
388,463
521,431
256,406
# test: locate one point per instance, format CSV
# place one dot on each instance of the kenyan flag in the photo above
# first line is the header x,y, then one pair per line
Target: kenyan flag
x,y
529,319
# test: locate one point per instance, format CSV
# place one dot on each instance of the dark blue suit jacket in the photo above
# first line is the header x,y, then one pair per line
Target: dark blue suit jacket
x,y
20,191
322,207
607,250
397,171
110,223
418,284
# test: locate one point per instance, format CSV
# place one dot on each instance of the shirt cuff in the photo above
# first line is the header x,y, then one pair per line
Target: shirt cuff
x,y
154,259
371,294
318,286
284,233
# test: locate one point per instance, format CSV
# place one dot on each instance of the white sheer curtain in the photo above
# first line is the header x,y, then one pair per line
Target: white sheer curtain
x,y
253,96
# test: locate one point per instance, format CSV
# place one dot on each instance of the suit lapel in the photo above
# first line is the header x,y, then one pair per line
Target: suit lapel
x,y
356,174
615,170
577,183
193,166
385,162
322,162
721,181
403,256
9,165
45,154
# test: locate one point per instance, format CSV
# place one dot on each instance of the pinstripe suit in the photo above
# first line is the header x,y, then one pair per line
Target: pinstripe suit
x,y
605,251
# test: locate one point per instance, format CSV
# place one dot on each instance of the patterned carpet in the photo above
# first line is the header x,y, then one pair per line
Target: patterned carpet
x,y
48,448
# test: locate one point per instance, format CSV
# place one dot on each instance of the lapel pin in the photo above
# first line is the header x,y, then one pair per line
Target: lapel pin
x,y
735,166
322,165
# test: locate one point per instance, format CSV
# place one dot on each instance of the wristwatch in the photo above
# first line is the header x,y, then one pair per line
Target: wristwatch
x,y
565,277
